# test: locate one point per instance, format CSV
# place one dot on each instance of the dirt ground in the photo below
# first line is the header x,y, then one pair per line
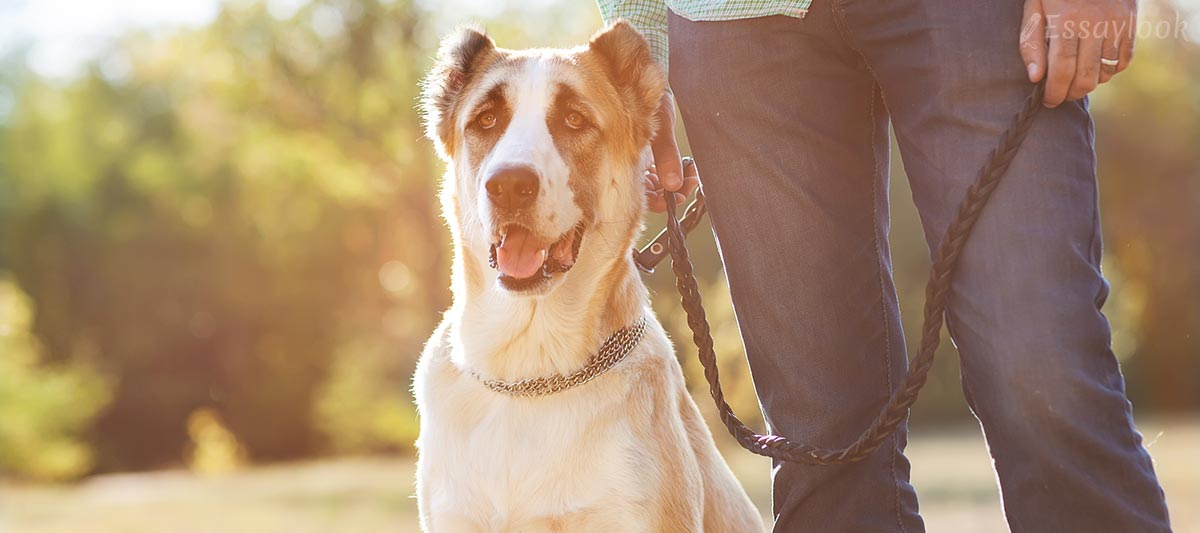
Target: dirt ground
x,y
951,471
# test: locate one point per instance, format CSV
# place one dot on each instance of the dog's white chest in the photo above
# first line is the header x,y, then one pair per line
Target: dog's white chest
x,y
500,461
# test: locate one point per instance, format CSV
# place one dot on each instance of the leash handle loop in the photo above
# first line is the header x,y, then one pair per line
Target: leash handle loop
x,y
941,276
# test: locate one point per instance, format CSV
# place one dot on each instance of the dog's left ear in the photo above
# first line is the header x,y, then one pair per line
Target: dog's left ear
x,y
461,55
632,69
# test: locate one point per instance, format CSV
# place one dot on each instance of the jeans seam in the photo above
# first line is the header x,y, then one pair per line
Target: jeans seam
x,y
1095,188
839,22
887,330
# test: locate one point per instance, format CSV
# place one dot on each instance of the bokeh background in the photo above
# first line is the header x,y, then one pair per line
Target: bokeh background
x,y
220,254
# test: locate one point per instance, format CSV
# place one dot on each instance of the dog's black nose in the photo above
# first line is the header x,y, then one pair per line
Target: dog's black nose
x,y
512,187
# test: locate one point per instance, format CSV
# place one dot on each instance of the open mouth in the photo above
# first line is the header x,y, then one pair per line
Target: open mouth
x,y
523,259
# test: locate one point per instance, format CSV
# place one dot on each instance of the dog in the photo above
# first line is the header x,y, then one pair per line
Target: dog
x,y
544,196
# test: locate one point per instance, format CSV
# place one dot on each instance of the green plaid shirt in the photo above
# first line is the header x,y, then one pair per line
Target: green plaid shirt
x,y
650,16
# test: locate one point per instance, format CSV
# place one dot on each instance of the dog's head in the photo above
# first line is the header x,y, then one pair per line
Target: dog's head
x,y
545,149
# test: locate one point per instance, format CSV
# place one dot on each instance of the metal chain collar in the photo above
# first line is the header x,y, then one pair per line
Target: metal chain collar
x,y
612,351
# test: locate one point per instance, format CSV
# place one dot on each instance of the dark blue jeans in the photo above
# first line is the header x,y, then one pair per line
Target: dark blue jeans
x,y
788,120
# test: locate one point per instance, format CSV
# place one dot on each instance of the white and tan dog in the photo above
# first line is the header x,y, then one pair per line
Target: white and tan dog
x,y
544,198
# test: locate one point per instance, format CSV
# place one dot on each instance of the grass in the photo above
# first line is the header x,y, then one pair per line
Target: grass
x,y
951,471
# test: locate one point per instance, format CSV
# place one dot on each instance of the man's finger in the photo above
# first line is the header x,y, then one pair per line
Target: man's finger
x,y
654,199
654,191
1087,68
652,180
666,158
666,150
1033,40
655,202
1110,51
1064,51
1126,45
691,176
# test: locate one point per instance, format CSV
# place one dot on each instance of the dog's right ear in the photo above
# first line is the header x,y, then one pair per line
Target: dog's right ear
x,y
461,54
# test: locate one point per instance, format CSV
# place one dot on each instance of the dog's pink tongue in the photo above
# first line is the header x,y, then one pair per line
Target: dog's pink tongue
x,y
520,255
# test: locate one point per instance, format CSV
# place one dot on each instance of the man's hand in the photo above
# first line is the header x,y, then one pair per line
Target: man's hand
x,y
667,172
1081,32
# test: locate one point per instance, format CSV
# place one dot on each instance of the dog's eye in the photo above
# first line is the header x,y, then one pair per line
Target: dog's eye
x,y
486,120
575,120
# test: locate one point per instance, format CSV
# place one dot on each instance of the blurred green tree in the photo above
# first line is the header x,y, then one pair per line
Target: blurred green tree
x,y
1148,151
47,410
207,214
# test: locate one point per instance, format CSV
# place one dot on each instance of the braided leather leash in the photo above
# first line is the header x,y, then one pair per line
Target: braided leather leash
x,y
895,411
